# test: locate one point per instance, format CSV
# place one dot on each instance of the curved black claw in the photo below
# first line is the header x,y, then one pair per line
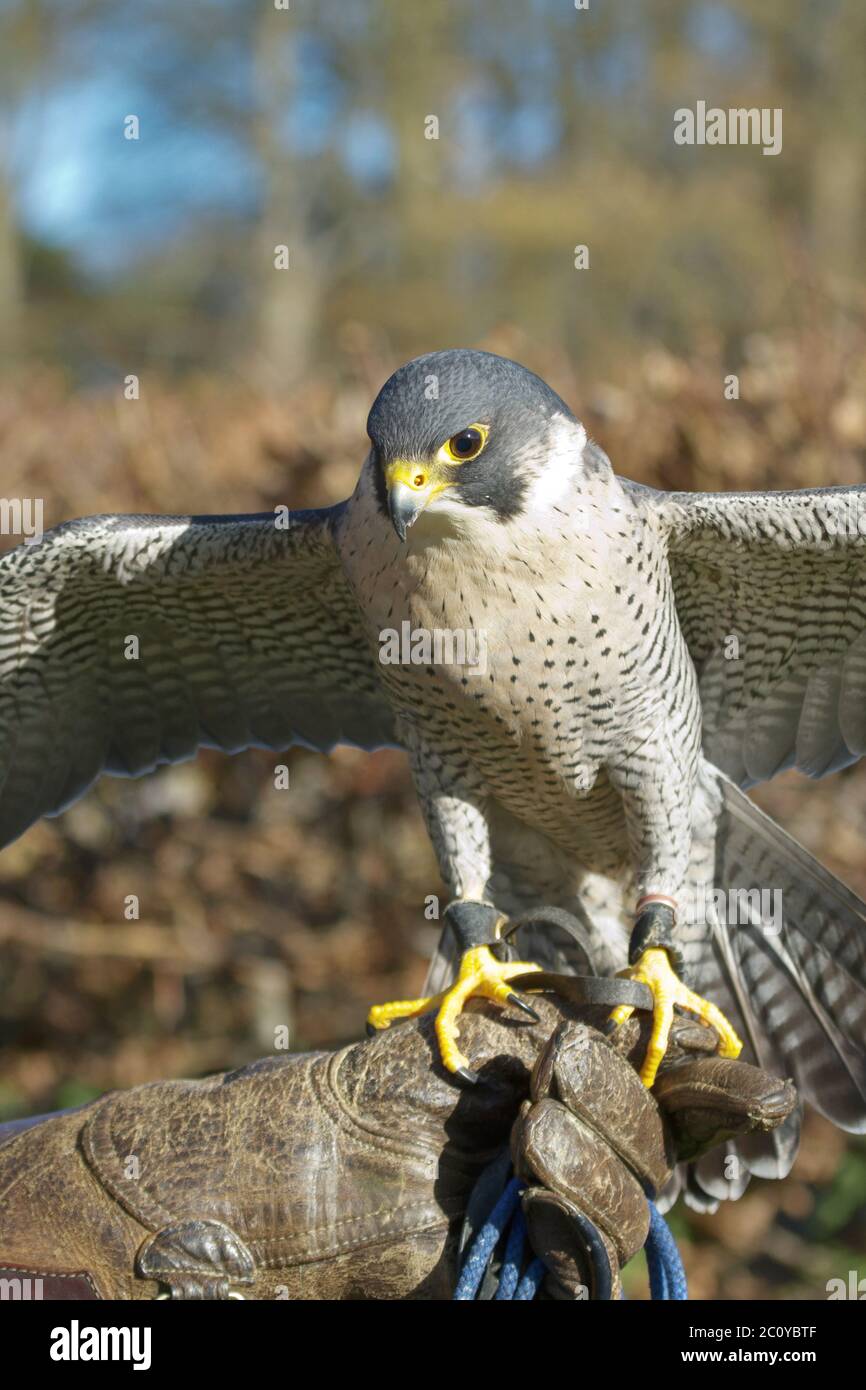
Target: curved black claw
x,y
519,1003
467,1076
371,1030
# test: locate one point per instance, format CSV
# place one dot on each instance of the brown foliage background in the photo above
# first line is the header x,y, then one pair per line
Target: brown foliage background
x,y
261,908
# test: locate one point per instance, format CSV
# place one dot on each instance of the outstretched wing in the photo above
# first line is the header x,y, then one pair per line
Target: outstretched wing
x,y
770,590
130,641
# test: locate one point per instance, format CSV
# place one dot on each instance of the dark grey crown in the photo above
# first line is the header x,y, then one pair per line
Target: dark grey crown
x,y
435,396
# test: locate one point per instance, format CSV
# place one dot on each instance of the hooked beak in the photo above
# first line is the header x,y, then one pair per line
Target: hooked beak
x,y
411,485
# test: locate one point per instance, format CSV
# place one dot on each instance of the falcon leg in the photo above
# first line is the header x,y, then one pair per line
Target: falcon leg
x,y
654,961
476,927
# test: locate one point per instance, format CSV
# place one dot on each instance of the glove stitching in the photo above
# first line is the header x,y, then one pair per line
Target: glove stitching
x,y
368,1138
100,1152
275,1251
372,1139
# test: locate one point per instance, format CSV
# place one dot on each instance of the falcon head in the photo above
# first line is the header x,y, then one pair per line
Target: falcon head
x,y
462,429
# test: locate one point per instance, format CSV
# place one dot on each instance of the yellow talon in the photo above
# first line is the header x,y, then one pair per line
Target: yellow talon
x,y
481,976
654,969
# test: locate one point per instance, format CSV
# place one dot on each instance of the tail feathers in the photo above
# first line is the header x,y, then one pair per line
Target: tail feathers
x,y
788,966
723,1174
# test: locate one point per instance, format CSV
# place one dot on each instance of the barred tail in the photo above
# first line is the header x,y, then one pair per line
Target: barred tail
x,y
786,963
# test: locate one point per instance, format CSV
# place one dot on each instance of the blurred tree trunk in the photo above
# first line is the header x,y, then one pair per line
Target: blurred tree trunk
x,y
838,204
11,276
420,47
289,301
25,39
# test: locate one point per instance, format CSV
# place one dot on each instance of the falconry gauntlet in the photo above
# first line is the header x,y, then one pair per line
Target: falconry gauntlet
x,y
346,1175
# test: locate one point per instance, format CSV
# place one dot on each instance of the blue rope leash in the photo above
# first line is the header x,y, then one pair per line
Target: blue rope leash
x,y
666,1274
485,1243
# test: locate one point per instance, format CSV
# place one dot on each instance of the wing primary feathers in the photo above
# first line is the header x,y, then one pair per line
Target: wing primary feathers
x,y
246,634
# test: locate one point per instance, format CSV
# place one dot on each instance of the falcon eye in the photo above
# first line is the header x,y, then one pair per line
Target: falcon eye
x,y
465,445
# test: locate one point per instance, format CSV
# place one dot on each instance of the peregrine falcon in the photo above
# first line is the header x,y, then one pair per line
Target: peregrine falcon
x,y
643,657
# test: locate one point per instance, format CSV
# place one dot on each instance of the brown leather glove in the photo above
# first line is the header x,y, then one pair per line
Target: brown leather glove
x,y
336,1175
591,1142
